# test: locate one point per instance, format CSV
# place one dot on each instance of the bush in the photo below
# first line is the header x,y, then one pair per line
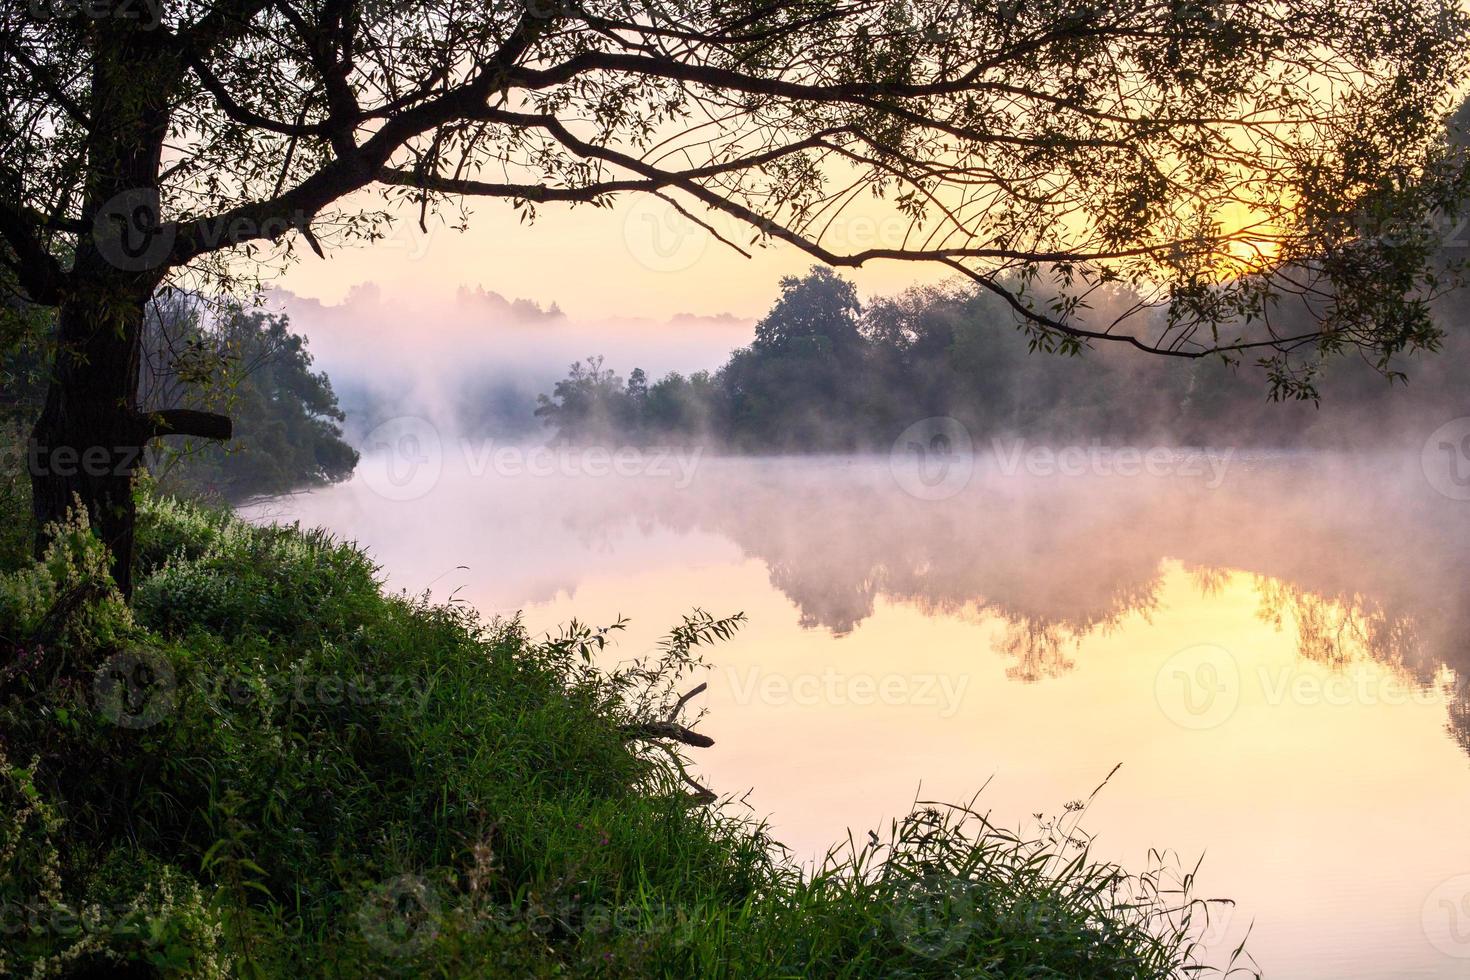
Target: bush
x,y
130,910
16,524
272,768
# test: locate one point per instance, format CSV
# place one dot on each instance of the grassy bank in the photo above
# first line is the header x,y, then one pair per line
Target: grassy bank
x,y
265,766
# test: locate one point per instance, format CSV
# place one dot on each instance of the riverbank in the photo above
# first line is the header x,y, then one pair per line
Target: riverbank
x,y
270,767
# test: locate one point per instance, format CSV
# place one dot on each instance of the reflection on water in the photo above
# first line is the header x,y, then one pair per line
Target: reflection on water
x,y
1277,660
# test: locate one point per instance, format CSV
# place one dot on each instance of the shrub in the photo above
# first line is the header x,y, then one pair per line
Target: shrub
x,y
16,524
132,911
65,602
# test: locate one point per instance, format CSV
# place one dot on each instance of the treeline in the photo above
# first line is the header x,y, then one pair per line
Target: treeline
x,y
826,373
247,364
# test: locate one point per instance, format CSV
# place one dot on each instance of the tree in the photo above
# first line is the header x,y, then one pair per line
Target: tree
x,y
818,311
807,359
287,420
950,350
287,427
1218,154
589,403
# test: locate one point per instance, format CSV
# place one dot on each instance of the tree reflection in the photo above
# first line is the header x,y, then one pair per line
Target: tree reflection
x,y
1339,630
1053,563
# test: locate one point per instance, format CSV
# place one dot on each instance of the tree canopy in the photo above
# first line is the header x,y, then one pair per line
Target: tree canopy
x,y
249,363
288,433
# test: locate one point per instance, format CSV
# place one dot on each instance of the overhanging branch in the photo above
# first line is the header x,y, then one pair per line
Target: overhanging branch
x,y
187,422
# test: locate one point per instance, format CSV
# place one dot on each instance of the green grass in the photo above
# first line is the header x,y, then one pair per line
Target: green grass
x,y
265,766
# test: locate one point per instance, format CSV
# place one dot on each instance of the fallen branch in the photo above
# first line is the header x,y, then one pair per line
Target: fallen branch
x,y
669,728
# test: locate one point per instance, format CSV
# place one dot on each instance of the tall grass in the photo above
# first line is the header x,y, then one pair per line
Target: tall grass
x,y
265,766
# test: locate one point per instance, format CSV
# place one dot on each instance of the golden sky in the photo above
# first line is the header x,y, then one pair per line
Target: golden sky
x,y
640,258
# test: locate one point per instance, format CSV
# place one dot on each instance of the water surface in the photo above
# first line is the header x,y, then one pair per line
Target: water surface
x,y
1273,649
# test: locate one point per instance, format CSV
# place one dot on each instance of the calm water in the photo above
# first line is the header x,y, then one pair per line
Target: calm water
x,y
1272,647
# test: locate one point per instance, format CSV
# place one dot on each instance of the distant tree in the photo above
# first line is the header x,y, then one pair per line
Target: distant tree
x,y
951,350
681,409
288,433
806,362
638,385
1215,154
589,404
816,313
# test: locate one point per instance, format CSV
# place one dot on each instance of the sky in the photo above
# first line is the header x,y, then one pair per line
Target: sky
x,y
637,259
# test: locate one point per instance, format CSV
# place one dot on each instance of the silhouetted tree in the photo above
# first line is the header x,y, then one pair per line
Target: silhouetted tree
x,y
816,313
588,404
950,350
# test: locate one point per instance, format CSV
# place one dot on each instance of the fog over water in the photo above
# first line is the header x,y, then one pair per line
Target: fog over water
x,y
1273,645
475,362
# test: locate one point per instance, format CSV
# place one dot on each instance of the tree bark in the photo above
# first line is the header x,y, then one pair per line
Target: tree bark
x,y
89,438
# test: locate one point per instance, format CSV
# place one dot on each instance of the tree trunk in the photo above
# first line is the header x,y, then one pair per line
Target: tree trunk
x,y
90,436
89,439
